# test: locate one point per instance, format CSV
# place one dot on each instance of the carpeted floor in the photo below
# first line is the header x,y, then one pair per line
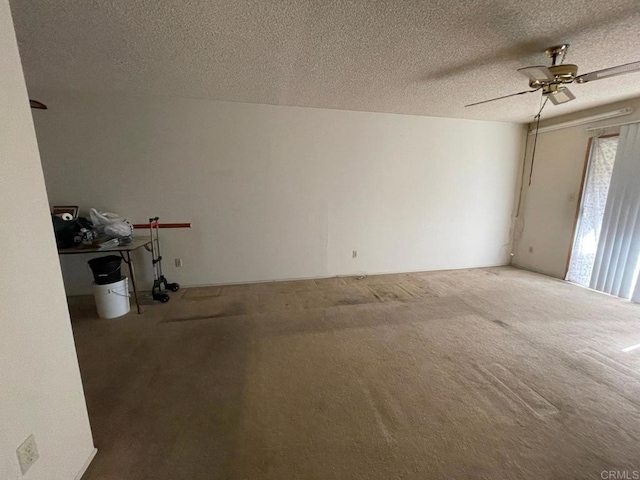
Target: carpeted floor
x,y
488,373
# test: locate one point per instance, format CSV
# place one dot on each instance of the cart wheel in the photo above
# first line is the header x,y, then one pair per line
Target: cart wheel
x,y
164,298
174,287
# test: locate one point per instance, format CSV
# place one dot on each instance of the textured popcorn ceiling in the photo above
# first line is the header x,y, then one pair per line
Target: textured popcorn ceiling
x,y
426,57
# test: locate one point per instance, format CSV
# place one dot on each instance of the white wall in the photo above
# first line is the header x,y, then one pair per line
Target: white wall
x,y
40,389
550,204
281,192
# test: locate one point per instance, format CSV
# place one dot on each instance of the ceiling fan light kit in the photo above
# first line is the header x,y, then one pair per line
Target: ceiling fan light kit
x,y
552,80
558,94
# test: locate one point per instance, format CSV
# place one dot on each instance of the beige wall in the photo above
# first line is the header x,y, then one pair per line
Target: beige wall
x,y
40,389
550,203
283,192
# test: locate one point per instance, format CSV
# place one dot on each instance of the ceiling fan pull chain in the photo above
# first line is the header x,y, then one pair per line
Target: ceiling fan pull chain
x,y
564,54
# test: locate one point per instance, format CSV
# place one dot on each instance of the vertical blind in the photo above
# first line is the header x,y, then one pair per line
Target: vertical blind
x,y
617,263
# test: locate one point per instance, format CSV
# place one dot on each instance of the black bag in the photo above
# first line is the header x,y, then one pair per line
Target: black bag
x,y
66,230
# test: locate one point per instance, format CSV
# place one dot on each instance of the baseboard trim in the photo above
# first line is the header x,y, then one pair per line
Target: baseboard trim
x,y
338,275
341,275
86,464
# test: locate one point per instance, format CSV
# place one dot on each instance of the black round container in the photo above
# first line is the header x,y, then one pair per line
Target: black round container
x,y
106,269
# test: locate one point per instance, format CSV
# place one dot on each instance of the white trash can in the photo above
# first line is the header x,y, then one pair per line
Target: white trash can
x,y
112,299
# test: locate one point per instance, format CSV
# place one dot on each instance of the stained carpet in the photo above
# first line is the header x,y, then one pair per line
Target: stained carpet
x,y
485,373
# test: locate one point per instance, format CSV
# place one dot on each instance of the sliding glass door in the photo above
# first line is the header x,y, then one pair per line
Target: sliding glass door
x,y
602,156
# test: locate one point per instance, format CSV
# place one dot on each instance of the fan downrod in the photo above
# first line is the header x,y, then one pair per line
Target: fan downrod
x,y
555,51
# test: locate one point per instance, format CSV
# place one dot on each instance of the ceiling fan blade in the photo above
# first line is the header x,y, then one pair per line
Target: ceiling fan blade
x,y
536,74
562,95
608,72
500,98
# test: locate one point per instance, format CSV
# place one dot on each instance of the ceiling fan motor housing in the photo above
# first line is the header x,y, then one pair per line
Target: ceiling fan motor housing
x,y
565,73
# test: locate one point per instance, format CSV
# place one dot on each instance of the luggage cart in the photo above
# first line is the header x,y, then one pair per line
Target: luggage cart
x,y
158,292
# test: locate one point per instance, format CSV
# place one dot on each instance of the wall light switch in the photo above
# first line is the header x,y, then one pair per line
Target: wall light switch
x,y
178,262
354,254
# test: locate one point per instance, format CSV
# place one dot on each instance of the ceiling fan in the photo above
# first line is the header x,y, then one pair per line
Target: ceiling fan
x,y
552,80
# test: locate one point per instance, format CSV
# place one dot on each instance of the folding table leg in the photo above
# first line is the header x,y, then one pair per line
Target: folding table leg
x,y
132,273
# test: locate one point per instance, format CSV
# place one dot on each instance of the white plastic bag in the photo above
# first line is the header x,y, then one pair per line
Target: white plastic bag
x,y
121,229
111,224
101,219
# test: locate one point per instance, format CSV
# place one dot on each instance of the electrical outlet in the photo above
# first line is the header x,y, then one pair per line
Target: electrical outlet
x,y
530,248
27,453
354,254
178,262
